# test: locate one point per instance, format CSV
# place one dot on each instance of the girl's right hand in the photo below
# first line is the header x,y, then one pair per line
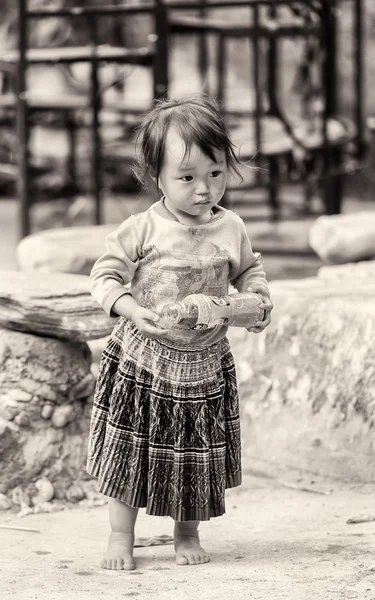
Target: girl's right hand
x,y
146,322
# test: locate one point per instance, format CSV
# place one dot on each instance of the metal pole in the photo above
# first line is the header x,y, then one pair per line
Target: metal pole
x,y
358,76
22,122
256,67
203,50
331,58
333,184
272,63
160,64
95,126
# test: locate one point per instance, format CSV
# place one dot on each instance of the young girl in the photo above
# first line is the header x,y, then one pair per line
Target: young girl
x,y
165,431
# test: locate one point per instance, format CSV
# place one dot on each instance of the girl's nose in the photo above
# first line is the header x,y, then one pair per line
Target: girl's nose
x,y
201,187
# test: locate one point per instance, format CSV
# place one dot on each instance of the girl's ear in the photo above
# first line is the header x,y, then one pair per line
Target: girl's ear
x,y
155,181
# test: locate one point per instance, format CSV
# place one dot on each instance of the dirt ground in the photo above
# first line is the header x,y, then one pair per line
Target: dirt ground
x,y
275,541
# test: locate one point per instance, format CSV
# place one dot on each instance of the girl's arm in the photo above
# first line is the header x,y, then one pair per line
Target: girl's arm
x,y
112,274
249,276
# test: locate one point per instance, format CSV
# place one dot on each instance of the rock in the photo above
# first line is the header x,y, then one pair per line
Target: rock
x,y
64,250
20,497
22,419
83,388
57,305
5,504
44,367
7,411
364,270
344,238
6,431
47,411
45,491
19,395
63,415
75,493
311,376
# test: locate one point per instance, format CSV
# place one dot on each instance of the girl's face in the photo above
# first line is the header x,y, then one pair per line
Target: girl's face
x,y
193,184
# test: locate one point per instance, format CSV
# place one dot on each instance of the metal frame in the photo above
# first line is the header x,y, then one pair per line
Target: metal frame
x,y
336,160
19,65
335,164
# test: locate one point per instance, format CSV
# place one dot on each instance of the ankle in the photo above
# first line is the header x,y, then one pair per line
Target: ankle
x,y
186,528
119,535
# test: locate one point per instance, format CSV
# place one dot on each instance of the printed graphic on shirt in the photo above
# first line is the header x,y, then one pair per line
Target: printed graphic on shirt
x,y
188,269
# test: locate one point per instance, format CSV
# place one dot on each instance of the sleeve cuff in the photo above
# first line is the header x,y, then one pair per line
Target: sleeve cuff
x,y
112,297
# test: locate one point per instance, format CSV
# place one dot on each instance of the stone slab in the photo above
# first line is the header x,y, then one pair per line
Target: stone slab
x,y
307,383
345,238
350,272
52,304
64,250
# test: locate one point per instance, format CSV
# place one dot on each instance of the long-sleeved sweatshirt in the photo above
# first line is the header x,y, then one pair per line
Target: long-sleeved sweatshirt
x,y
160,260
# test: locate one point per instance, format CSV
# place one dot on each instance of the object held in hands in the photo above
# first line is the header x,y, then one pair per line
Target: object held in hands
x,y
199,311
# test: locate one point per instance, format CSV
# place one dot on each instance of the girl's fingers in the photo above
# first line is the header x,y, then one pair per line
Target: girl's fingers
x,y
262,325
255,330
152,330
150,316
267,305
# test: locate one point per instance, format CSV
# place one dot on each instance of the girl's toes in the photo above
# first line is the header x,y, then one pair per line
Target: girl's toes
x,y
182,560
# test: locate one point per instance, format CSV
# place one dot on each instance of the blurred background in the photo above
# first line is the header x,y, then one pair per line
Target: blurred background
x,y
292,77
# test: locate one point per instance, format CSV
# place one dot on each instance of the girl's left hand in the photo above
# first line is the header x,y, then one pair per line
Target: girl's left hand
x,y
267,306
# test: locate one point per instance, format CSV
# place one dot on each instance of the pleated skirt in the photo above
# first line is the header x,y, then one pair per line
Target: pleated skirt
x,y
165,427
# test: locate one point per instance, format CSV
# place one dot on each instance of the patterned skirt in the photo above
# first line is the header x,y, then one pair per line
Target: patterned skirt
x,y
165,428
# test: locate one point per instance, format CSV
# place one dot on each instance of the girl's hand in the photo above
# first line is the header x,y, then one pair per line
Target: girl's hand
x,y
146,321
267,307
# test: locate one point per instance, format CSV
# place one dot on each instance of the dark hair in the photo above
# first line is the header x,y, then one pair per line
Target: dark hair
x,y
198,120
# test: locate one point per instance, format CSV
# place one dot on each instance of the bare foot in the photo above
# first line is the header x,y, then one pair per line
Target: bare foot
x,y
187,546
119,554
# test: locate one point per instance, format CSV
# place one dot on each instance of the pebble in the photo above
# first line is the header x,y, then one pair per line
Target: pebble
x,y
63,415
22,420
47,411
75,493
11,403
84,388
3,425
20,497
5,413
5,503
46,491
19,395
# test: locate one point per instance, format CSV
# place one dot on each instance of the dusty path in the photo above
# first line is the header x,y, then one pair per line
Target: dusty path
x,y
274,542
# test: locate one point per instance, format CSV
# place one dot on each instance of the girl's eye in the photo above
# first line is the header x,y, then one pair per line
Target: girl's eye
x,y
187,178
215,174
